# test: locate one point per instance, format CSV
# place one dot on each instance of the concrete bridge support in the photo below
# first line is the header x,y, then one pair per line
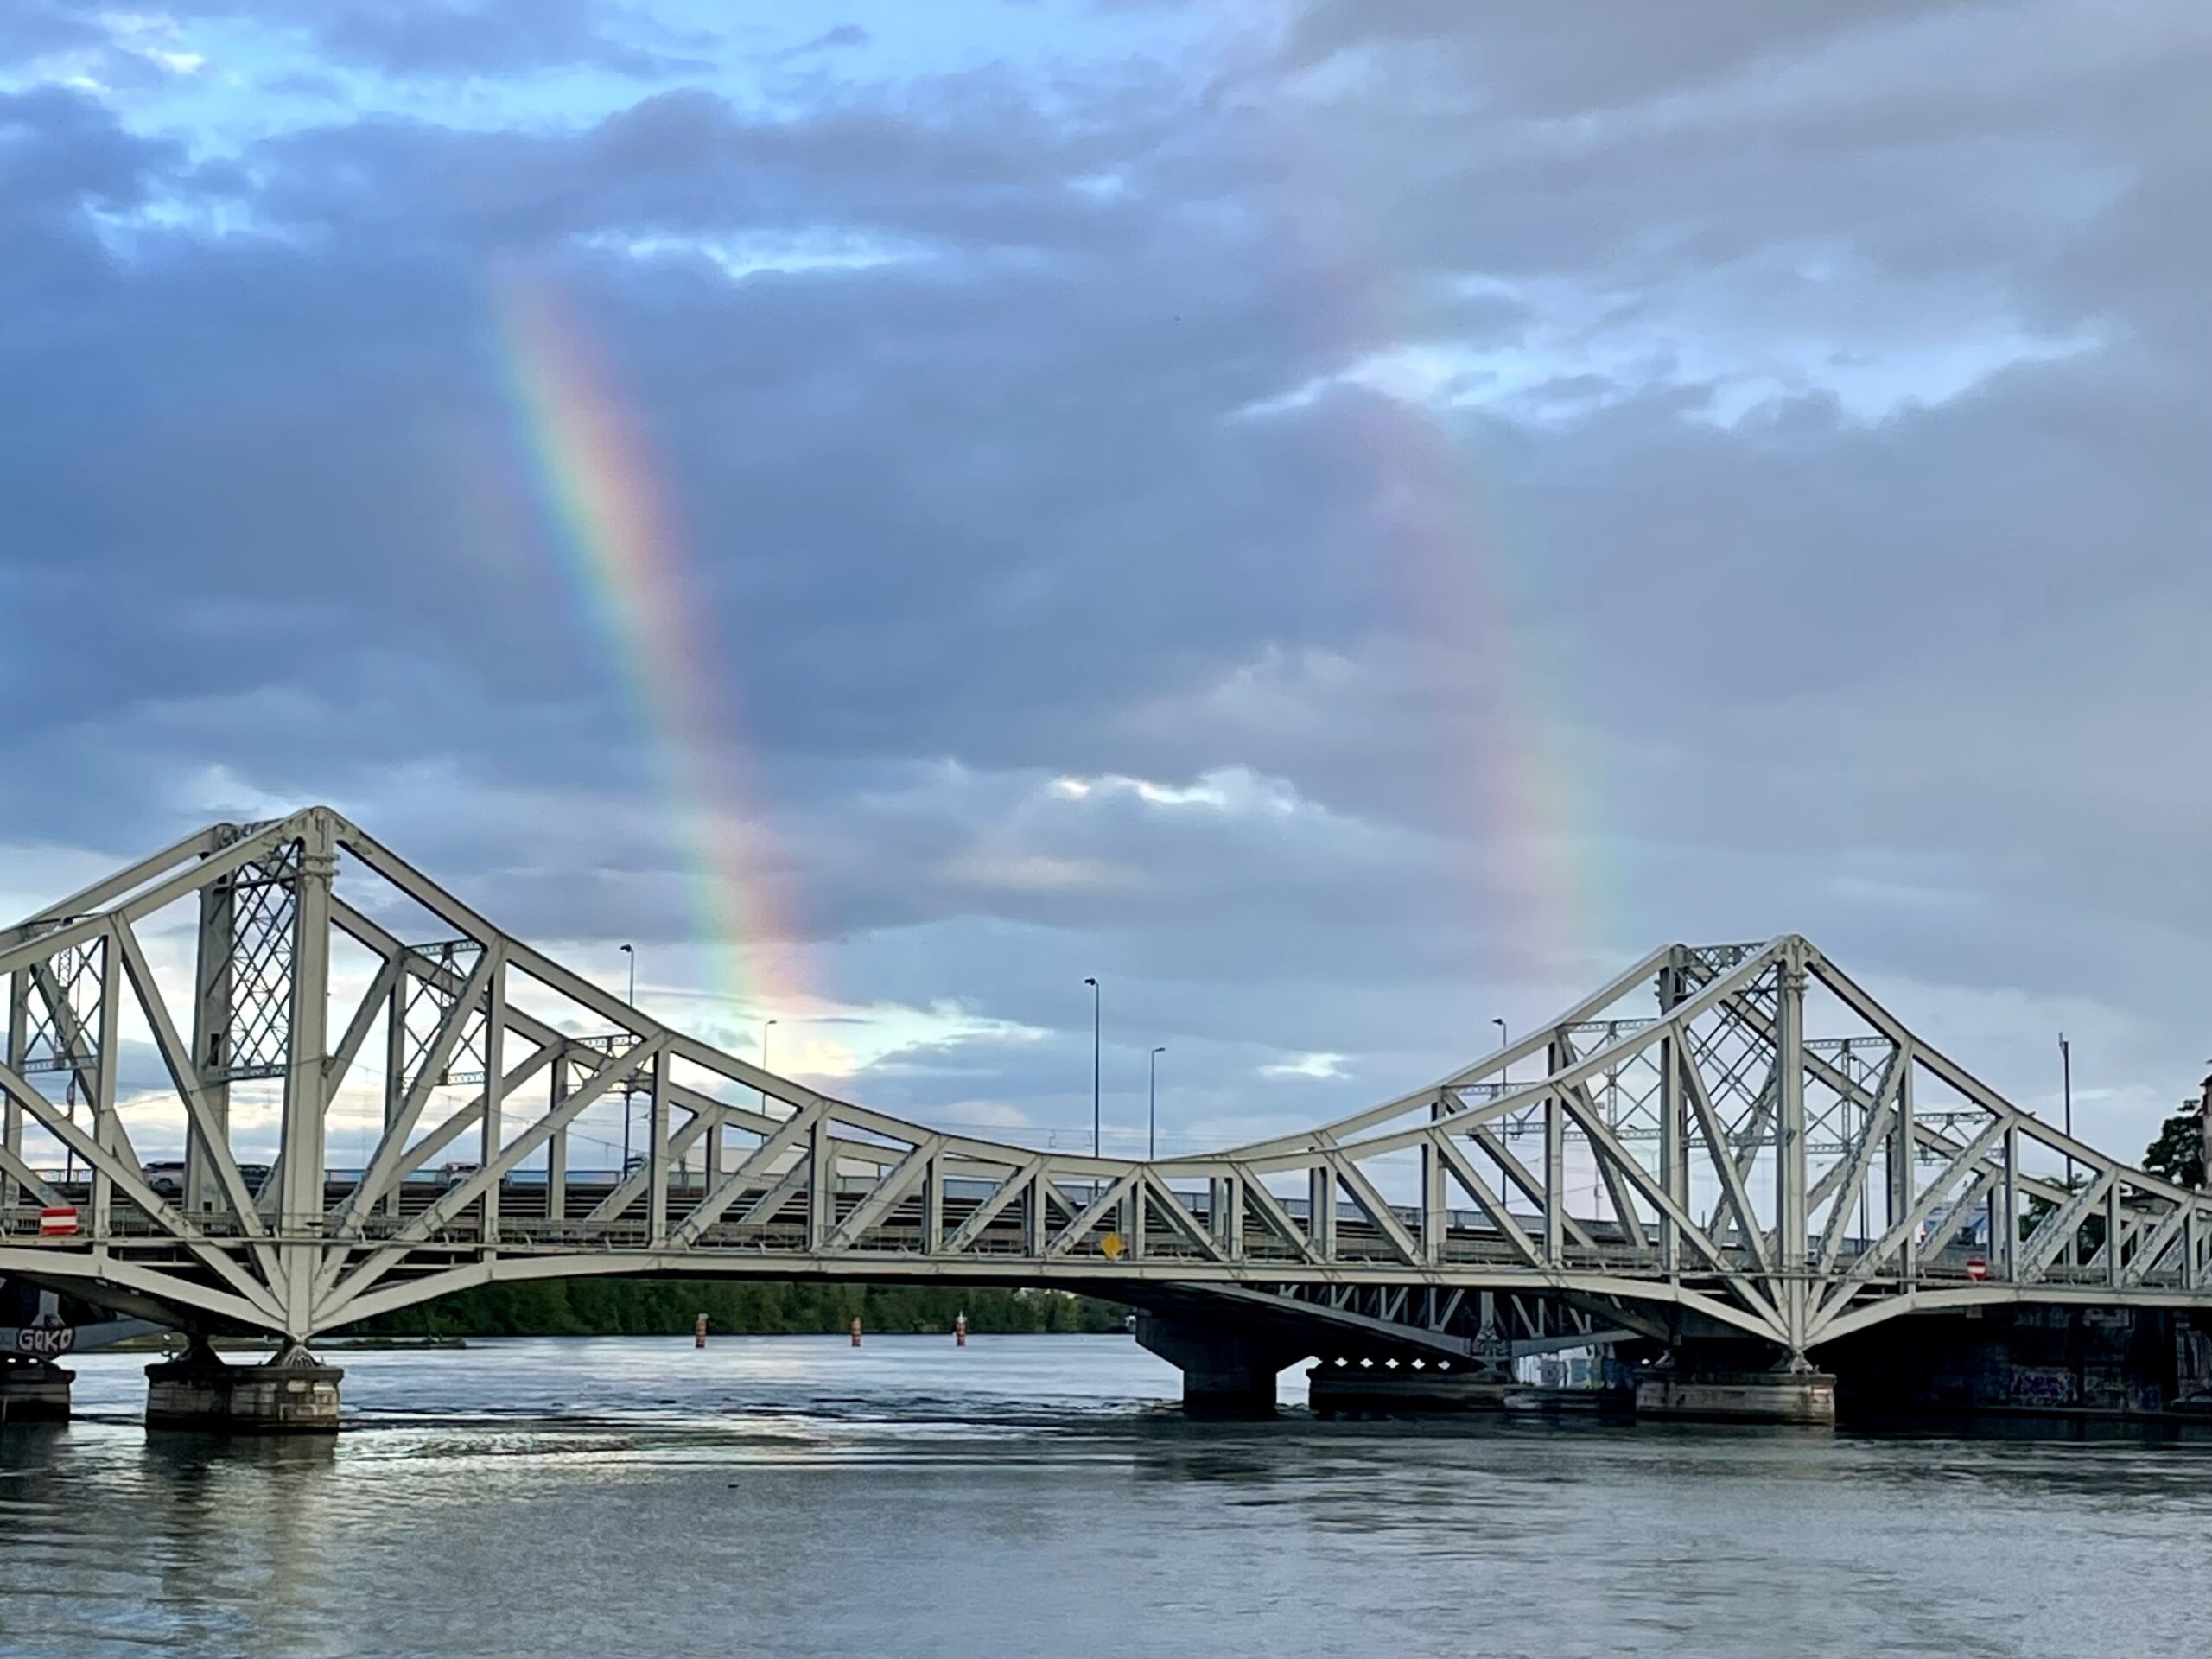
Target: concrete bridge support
x,y
1722,1379
1229,1370
2083,1363
34,1391
1387,1389
291,1394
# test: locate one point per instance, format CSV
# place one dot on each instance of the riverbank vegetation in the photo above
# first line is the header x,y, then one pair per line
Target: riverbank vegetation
x,y
625,1307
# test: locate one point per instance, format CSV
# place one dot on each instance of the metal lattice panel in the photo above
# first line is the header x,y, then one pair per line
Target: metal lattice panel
x,y
63,1007
257,1040
434,971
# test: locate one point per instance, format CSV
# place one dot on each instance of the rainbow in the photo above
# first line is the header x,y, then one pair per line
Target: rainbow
x,y
1495,716
605,513
1502,748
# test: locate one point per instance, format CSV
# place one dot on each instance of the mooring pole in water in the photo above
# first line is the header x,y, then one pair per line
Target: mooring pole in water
x,y
856,1330
960,1330
699,1332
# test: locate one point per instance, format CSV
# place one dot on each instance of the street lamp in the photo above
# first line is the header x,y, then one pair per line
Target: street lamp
x,y
1152,1106
1504,1040
2066,1083
629,1095
766,1028
1095,997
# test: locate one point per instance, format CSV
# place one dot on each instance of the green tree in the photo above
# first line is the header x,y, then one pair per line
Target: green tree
x,y
2178,1153
2089,1236
622,1307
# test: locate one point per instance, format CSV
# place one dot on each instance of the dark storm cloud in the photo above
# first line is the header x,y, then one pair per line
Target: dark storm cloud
x,y
1824,498
337,325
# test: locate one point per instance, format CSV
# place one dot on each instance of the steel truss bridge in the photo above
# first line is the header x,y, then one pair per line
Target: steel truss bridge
x,y
1733,1140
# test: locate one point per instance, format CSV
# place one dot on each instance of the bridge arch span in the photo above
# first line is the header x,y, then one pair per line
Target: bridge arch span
x,y
1735,1137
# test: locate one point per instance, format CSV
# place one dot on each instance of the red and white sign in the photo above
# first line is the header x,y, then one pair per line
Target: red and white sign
x,y
1976,1267
56,1221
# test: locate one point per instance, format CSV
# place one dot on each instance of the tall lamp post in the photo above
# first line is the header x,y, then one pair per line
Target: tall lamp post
x,y
1152,1106
1505,1079
2066,1086
629,1096
1095,1120
767,1026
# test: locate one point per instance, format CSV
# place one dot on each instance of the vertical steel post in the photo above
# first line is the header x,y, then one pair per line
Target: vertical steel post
x,y
491,1127
1674,1168
395,1065
211,1027
1790,1208
2009,1190
2112,1235
300,1198
1434,1216
822,1184
933,1206
657,1159
1035,1221
107,1132
557,1145
1555,1168
1321,1210
1902,1162
12,1113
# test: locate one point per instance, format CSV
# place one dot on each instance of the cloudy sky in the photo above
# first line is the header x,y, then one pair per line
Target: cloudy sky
x,y
1344,523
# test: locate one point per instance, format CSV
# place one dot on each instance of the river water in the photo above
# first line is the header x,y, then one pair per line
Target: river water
x,y
1040,1495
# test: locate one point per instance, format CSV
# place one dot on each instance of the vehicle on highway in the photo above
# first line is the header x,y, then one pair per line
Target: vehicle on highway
x,y
167,1179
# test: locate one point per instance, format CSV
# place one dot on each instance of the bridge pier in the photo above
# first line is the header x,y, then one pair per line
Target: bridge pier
x,y
2083,1363
1348,1386
1722,1380
34,1391
292,1394
1229,1370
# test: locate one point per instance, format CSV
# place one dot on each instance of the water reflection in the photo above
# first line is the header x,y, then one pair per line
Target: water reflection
x,y
1028,1494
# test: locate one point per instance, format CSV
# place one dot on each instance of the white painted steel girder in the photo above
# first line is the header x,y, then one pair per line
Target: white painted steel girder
x,y
1737,1135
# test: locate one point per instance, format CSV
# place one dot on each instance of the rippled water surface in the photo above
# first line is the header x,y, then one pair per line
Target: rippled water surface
x,y
1036,1494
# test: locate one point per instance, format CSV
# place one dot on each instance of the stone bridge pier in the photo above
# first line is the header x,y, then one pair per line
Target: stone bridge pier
x,y
1725,1379
292,1393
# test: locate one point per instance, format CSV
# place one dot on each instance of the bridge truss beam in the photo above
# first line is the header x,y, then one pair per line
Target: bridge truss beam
x,y
1733,1139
